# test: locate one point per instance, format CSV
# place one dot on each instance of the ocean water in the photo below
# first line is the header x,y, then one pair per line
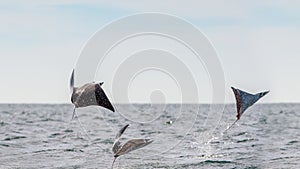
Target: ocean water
x,y
185,136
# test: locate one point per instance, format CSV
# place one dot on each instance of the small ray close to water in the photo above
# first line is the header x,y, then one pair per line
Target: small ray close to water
x,y
131,145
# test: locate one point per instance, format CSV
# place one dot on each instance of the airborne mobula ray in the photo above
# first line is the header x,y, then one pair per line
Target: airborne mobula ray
x,y
133,144
244,100
89,94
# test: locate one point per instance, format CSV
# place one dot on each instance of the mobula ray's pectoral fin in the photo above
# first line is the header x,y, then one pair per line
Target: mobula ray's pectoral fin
x,y
72,82
102,99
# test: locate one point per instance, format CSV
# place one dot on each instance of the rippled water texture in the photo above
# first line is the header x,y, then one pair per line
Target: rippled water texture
x,y
43,136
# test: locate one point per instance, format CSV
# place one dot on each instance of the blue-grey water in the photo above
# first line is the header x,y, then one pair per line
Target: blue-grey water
x,y
43,136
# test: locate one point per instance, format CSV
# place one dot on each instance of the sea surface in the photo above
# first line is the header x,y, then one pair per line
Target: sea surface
x,y
185,136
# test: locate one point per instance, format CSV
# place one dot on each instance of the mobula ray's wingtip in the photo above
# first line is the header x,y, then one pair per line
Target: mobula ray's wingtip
x,y
125,127
72,81
72,74
121,131
109,106
235,90
266,92
112,108
101,97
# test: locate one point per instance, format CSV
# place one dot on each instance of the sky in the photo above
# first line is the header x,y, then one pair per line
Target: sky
x,y
257,44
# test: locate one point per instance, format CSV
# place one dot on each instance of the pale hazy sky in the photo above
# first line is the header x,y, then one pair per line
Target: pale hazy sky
x,y
257,43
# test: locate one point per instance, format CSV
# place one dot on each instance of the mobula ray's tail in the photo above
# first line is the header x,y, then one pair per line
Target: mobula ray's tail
x,y
112,165
73,113
231,125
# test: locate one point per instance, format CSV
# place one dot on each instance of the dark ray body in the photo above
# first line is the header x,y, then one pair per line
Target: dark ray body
x,y
88,95
245,100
